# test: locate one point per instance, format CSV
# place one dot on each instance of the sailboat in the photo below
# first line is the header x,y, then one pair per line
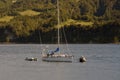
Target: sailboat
x,y
56,55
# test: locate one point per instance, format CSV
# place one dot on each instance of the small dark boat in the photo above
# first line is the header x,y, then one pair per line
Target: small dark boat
x,y
30,59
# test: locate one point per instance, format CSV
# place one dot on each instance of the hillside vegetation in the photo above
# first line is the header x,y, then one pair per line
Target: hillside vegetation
x,y
29,13
6,18
84,21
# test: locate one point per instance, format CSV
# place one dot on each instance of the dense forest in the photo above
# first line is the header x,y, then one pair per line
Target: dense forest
x,y
83,21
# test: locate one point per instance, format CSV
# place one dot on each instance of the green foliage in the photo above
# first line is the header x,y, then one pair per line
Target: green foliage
x,y
29,13
6,18
22,18
26,25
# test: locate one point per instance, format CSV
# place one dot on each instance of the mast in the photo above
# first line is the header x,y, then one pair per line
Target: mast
x,y
58,24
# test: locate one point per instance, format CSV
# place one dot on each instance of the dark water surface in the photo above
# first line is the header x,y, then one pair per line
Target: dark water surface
x,y
103,63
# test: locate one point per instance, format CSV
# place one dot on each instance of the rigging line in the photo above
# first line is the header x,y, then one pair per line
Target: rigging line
x,y
40,39
66,40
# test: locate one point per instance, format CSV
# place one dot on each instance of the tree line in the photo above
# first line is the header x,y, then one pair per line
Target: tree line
x,y
104,14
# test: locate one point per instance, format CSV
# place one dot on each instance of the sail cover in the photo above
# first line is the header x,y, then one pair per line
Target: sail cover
x,y
57,49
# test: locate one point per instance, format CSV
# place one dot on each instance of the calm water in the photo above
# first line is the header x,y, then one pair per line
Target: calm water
x,y
103,63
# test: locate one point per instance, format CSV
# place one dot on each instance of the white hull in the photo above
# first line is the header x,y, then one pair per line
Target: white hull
x,y
58,59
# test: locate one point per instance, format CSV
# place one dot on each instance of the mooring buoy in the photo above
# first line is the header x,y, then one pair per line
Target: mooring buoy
x,y
82,59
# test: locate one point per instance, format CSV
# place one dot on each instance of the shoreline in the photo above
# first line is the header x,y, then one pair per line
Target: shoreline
x,y
54,43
